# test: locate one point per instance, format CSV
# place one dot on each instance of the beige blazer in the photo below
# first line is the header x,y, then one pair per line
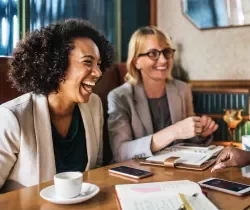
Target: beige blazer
x,y
130,124
26,146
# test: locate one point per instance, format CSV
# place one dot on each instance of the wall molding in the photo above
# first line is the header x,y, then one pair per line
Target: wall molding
x,y
222,89
220,116
221,83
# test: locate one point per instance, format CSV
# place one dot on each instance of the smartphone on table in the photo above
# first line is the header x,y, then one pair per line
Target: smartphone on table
x,y
222,185
130,172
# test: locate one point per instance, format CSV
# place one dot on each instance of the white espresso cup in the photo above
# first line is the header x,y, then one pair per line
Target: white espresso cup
x,y
246,142
68,184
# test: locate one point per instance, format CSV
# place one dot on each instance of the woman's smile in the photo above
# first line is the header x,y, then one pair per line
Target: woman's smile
x,y
88,86
161,68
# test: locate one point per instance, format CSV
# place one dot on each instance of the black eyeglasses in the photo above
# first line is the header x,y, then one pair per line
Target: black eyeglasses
x,y
155,54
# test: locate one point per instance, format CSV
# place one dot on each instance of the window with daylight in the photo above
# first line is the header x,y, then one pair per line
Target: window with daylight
x,y
9,30
116,19
98,12
20,16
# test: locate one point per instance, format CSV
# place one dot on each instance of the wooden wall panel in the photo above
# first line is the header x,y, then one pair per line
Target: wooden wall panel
x,y
153,12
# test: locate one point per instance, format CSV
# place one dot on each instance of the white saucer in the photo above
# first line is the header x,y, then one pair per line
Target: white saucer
x,y
88,191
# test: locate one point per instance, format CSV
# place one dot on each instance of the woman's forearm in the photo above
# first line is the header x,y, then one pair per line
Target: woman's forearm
x,y
162,139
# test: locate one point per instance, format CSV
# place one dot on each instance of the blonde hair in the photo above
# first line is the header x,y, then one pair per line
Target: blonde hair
x,y
133,75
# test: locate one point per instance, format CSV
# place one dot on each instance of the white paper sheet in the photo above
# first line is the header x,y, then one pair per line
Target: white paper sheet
x,y
157,203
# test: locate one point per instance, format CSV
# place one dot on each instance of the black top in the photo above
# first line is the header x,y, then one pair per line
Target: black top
x,y
160,113
70,151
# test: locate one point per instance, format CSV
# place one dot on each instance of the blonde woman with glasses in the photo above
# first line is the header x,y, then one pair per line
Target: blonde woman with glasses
x,y
152,110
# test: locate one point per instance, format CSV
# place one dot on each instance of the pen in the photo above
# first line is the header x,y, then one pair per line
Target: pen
x,y
182,207
185,205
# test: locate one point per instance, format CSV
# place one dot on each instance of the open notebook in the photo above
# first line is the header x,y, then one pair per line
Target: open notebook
x,y
170,195
188,157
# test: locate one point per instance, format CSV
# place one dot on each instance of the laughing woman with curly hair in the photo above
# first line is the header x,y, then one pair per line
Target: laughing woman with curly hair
x,y
57,125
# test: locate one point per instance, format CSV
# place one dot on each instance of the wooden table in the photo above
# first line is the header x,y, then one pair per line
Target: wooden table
x,y
29,198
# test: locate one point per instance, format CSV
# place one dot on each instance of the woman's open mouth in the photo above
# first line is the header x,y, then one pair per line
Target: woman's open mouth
x,y
88,86
161,68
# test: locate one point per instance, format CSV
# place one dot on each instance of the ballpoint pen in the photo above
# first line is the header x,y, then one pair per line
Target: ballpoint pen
x,y
182,207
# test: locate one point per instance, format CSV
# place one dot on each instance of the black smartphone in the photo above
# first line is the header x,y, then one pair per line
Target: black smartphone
x,y
130,172
222,185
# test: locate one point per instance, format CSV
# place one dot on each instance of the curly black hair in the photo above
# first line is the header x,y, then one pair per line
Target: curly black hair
x,y
39,62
